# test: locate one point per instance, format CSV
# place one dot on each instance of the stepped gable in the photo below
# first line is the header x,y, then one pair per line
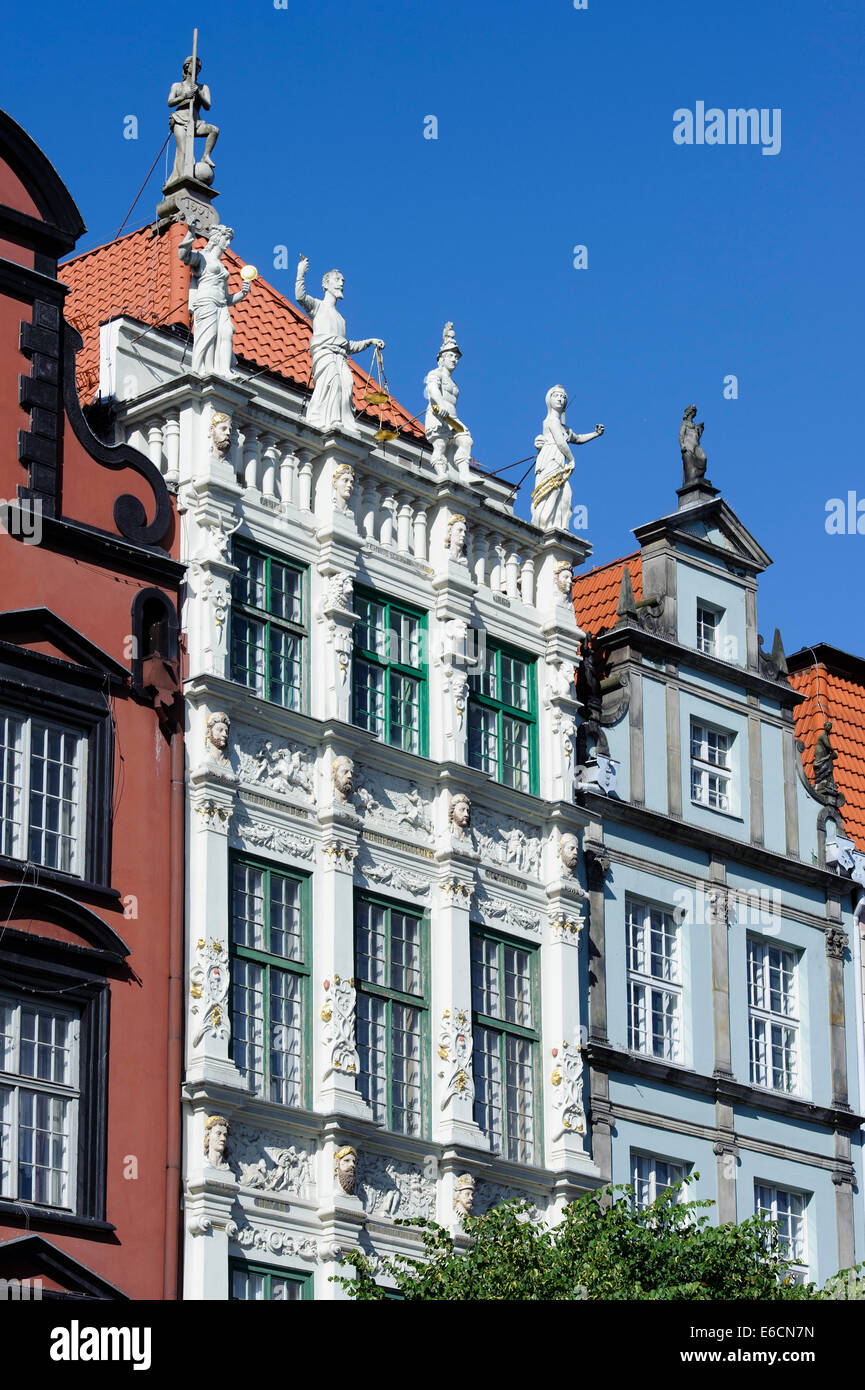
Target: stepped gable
x,y
141,276
840,680
596,593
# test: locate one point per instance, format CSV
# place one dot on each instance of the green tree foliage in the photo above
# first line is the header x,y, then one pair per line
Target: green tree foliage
x,y
603,1248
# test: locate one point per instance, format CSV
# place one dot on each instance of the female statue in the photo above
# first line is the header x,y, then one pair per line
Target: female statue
x,y
209,302
552,499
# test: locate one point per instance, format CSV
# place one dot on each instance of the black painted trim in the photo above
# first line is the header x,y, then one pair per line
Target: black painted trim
x,y
19,625
29,900
639,638
59,1266
63,223
173,625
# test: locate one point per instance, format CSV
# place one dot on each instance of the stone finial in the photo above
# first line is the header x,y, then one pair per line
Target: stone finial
x,y
220,434
460,815
569,852
342,775
216,1140
343,486
772,665
187,193
626,608
216,736
693,456
464,1195
345,1168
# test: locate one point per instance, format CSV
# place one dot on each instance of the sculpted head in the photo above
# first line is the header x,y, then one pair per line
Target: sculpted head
x,y
343,482
187,66
342,773
690,412
457,533
333,280
464,1195
563,576
218,726
556,398
569,852
449,354
215,1140
345,1168
220,432
460,814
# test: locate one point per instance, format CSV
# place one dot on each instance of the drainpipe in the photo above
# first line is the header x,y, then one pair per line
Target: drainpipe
x,y
175,1018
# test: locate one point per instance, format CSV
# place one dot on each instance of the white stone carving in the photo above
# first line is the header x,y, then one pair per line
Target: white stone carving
x,y
338,1014
216,1140
270,1239
507,843
283,770
455,544
455,1052
259,834
331,403
390,1188
565,928
569,853
399,806
342,487
502,910
552,499
567,1080
460,816
220,434
396,877
489,1194
266,1165
450,438
209,981
338,593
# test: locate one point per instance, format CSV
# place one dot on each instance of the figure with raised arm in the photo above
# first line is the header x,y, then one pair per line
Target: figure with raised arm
x,y
552,500
209,302
330,406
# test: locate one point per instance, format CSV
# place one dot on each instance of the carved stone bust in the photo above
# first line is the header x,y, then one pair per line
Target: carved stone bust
x,y
343,486
342,774
456,538
569,852
460,815
220,433
345,1168
464,1195
216,736
563,576
216,1140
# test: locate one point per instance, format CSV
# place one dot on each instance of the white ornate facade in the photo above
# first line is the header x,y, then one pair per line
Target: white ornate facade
x,y
312,840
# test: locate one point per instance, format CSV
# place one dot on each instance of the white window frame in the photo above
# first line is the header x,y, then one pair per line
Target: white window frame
x,y
768,1027
716,614
793,1206
20,818
646,989
712,766
677,1172
16,1082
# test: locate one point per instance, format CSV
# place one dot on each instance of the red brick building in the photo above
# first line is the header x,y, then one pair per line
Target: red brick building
x,y
91,838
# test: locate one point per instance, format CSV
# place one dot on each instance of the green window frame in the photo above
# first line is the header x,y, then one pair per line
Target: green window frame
x,y
506,1044
389,674
267,1284
269,912
391,976
269,625
503,720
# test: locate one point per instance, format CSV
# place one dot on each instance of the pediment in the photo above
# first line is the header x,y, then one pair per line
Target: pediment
x,y
75,924
711,527
32,1257
40,631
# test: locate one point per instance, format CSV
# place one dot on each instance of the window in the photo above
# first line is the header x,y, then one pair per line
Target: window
x,y
261,1283
773,1016
502,718
269,979
708,629
390,971
711,776
654,982
505,1029
39,1097
650,1176
42,812
268,627
788,1209
389,675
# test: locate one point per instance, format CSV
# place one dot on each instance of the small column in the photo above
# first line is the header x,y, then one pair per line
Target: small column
x,y
496,553
208,1026
338,620
512,570
527,582
287,470
270,455
369,494
335,1000
387,522
154,442
404,514
171,439
420,541
305,474
251,459
565,1115
837,943
479,546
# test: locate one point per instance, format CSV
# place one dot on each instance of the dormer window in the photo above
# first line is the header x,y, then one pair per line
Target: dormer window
x,y
711,767
708,629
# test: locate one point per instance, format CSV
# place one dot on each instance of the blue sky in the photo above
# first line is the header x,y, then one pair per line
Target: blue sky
x,y
555,129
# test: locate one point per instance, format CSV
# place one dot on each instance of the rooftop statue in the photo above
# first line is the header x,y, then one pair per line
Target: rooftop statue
x,y
187,98
331,404
444,429
824,760
552,499
693,458
209,302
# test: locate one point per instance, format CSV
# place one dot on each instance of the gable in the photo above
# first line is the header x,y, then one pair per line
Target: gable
x,y
41,632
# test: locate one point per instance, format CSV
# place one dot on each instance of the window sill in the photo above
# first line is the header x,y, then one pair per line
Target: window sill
x,y
35,1217
716,811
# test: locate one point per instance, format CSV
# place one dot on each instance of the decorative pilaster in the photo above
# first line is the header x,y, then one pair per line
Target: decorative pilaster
x,y
208,1030
336,1058
564,1032
450,914
337,620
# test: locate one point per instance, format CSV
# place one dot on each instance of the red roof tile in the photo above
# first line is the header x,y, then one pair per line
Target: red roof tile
x,y
842,696
596,593
141,276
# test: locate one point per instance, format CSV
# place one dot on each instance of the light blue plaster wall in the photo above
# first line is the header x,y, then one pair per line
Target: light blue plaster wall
x,y
719,592
736,824
822,1235
654,850
655,743
774,832
656,1098
696,1155
619,742
809,809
